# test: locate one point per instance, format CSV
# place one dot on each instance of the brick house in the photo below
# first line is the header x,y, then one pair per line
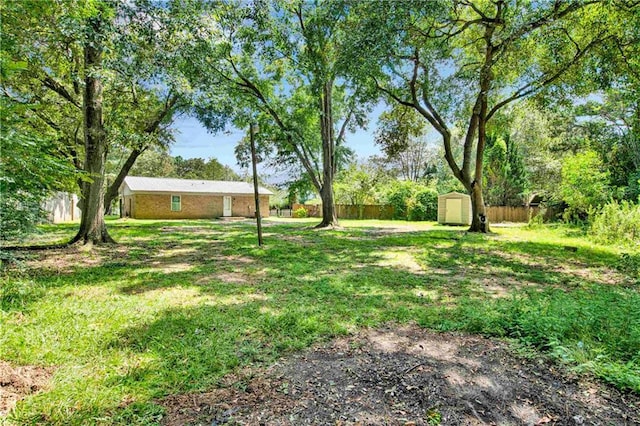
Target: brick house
x,y
164,198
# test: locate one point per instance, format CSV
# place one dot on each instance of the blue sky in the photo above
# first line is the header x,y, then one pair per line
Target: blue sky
x,y
193,140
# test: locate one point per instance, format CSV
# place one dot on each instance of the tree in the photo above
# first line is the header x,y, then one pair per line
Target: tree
x,y
584,191
31,169
505,172
154,163
355,185
464,61
410,200
281,64
80,58
402,136
197,168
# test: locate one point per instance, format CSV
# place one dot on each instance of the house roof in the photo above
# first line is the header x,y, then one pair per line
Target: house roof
x,y
148,184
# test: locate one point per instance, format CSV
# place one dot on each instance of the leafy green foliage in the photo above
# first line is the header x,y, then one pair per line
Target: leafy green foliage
x,y
411,200
300,212
197,168
616,223
356,184
585,183
401,134
424,205
284,66
505,173
456,67
31,170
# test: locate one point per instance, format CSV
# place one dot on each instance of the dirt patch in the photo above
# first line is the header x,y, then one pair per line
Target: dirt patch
x,y
18,382
406,376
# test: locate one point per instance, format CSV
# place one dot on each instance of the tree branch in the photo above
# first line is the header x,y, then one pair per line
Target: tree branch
x,y
535,86
58,88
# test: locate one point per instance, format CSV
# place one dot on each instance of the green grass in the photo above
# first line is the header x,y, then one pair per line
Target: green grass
x,y
179,304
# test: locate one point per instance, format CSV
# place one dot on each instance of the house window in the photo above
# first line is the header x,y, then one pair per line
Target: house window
x,y
175,203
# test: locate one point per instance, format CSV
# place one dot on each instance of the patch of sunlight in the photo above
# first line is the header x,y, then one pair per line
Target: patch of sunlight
x,y
92,292
165,267
178,296
405,226
176,252
438,271
265,310
400,259
376,292
237,299
427,294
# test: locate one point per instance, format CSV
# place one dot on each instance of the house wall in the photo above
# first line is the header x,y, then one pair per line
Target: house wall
x,y
193,206
466,207
244,205
62,207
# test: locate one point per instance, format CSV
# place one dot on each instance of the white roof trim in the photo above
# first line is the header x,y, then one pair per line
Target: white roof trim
x,y
454,193
217,187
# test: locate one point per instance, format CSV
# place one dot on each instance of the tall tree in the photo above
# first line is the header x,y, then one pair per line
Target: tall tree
x,y
31,169
505,172
462,61
401,134
92,225
281,64
78,83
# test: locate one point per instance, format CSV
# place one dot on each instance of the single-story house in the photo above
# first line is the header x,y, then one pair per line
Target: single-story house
x,y
164,198
454,208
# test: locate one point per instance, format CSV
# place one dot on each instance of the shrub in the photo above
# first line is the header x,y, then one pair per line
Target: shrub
x,y
585,184
537,220
423,205
398,195
617,223
412,200
301,212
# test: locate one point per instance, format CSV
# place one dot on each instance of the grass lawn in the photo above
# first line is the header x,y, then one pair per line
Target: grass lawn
x,y
179,304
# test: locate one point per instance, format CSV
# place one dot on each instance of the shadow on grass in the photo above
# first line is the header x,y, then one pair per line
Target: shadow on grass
x,y
209,255
251,305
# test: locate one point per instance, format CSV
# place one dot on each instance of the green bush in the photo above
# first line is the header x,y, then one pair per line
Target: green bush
x,y
301,212
412,201
397,195
583,191
617,223
423,205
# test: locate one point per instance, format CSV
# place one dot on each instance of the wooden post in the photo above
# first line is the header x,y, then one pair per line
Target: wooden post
x,y
255,182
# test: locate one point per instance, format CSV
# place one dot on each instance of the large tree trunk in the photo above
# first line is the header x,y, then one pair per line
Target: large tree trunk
x,y
479,220
329,214
93,228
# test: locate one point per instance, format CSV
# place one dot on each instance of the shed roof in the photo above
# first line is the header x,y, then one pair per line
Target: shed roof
x,y
149,184
453,193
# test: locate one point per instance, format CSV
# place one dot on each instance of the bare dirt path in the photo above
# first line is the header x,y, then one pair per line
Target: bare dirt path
x,y
406,376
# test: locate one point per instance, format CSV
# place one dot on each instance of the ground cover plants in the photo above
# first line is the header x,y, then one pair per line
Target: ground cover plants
x,y
178,305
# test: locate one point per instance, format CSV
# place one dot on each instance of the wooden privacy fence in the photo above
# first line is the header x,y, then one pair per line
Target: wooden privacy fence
x,y
496,214
520,214
346,211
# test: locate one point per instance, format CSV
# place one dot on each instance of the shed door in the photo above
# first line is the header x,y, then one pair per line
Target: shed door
x,y
226,206
454,210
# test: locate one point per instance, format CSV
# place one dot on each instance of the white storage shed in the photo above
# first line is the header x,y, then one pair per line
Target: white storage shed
x,y
454,208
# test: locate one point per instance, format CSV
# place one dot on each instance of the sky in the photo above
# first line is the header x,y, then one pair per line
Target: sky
x,y
194,141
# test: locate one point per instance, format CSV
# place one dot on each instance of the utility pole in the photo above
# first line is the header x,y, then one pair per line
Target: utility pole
x,y
252,130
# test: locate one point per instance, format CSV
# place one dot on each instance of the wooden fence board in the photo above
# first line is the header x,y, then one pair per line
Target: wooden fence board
x,y
496,214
